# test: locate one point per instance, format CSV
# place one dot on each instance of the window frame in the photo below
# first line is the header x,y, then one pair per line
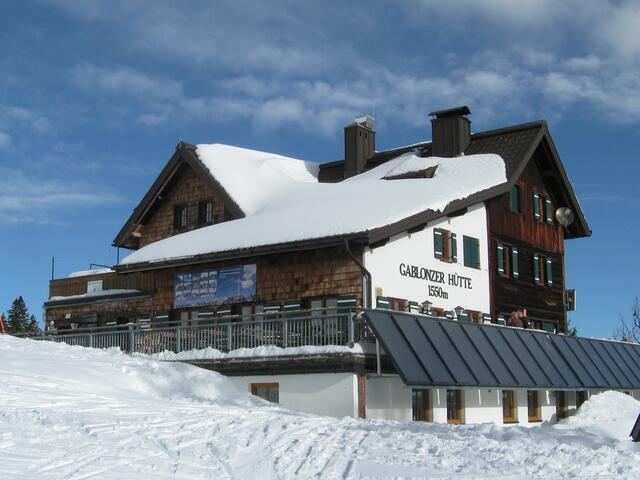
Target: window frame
x,y
507,257
458,419
449,241
509,407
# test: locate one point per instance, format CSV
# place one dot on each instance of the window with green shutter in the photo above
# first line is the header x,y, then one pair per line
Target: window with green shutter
x,y
438,243
471,251
500,257
515,199
514,263
454,248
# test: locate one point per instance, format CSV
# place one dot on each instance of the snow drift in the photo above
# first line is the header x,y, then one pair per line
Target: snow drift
x,y
72,413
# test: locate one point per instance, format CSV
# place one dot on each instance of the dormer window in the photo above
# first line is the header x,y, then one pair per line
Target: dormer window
x,y
180,217
205,213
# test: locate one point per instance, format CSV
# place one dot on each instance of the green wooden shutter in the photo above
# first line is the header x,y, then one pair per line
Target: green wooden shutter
x,y
476,252
536,268
515,199
536,207
454,248
549,327
549,272
501,320
547,211
382,302
438,243
464,317
514,263
449,314
486,318
500,254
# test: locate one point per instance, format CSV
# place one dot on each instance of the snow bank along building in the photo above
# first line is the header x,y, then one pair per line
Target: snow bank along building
x,y
235,248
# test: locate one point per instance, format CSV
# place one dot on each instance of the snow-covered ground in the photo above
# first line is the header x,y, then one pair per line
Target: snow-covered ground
x,y
75,413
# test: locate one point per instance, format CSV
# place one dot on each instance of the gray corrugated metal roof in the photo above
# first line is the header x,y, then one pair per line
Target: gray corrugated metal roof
x,y
430,351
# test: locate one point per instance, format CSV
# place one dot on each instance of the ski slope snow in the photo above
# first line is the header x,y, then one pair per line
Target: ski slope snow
x,y
75,413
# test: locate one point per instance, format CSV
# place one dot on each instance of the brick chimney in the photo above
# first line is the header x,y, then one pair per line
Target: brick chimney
x,y
451,132
359,145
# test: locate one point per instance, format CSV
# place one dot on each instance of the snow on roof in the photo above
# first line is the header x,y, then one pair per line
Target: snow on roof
x,y
93,271
253,178
284,202
99,293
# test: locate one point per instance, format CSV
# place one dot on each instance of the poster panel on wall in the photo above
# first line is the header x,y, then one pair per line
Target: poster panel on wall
x,y
215,287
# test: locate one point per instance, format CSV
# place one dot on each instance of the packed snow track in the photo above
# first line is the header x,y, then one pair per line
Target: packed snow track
x,y
76,413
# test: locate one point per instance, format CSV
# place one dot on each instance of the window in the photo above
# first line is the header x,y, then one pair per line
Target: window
x,y
421,405
454,406
507,257
267,391
205,213
445,245
533,406
180,217
516,206
542,208
561,405
471,252
542,270
581,397
509,411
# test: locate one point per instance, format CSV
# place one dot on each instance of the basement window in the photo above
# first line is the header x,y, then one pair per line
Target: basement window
x,y
507,257
267,391
421,405
509,410
533,406
454,407
445,245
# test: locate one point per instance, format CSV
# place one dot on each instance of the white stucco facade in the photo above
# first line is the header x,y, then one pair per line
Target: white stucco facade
x,y
388,398
398,268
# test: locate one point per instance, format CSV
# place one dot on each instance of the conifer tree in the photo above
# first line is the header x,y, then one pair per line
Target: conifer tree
x,y
33,327
18,317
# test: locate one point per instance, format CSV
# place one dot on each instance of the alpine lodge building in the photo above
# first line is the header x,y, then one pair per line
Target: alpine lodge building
x,y
389,284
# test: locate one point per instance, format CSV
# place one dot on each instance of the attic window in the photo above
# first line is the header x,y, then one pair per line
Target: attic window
x,y
205,213
424,173
180,217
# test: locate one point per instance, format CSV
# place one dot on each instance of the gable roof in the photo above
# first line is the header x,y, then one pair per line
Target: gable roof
x,y
282,203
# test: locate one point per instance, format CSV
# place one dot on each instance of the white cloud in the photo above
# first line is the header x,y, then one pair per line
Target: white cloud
x,y
36,200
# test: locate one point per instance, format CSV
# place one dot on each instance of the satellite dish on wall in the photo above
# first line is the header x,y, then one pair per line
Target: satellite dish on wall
x,y
565,216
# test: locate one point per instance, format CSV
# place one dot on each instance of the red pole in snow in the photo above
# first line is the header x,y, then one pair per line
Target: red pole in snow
x,y
2,324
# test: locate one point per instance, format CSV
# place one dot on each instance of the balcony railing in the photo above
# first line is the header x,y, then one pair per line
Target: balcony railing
x,y
291,329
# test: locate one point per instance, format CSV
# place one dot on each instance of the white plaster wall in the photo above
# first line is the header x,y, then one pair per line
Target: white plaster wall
x,y
482,405
417,249
388,398
333,394
439,405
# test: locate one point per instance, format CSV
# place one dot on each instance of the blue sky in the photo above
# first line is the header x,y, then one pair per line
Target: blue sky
x,y
94,97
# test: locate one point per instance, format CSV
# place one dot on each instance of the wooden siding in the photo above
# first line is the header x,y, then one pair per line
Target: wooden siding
x,y
296,275
65,287
187,189
121,311
530,237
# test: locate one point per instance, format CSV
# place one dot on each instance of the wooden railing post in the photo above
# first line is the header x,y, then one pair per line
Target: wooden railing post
x,y
178,338
352,334
285,332
132,339
229,337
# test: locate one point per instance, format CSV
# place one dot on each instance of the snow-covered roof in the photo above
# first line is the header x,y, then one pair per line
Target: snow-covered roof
x,y
284,202
99,293
93,271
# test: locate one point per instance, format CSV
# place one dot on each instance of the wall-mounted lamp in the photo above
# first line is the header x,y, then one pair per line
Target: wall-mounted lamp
x,y
459,311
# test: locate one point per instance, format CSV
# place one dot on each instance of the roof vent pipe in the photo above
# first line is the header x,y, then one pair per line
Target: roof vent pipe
x,y
450,132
